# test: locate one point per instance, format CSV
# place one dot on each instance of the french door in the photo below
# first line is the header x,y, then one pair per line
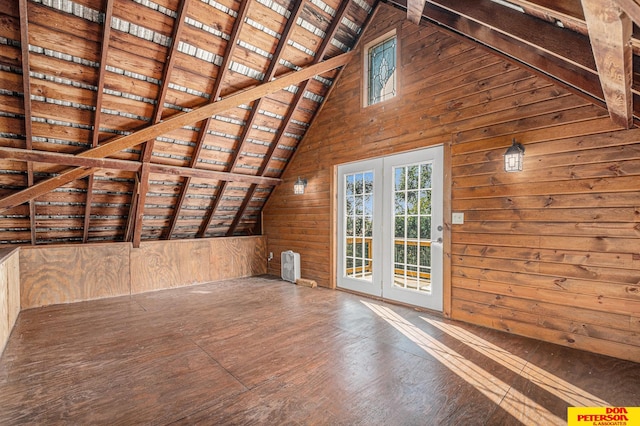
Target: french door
x,y
390,227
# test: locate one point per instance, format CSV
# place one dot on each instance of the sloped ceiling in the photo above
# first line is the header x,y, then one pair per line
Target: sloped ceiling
x,y
134,120
201,102
591,46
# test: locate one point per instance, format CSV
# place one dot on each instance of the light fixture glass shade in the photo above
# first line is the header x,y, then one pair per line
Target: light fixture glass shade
x,y
514,157
298,187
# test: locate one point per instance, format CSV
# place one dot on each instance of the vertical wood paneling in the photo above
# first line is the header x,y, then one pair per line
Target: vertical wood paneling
x,y
72,273
237,257
64,274
5,329
551,253
9,293
13,287
158,265
168,264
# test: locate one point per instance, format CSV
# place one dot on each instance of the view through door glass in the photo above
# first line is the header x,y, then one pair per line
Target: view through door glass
x,y
390,226
412,227
359,210
359,225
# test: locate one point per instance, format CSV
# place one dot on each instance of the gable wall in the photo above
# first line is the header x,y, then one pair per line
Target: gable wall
x,y
552,252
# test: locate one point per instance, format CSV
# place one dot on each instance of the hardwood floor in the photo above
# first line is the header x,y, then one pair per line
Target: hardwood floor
x,y
264,351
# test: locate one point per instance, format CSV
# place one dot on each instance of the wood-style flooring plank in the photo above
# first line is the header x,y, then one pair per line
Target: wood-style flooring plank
x,y
263,351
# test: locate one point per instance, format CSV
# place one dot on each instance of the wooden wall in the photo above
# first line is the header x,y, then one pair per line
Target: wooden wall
x,y
70,273
167,264
551,252
9,293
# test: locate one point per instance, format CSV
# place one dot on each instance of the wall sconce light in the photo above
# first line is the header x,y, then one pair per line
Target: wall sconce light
x,y
298,187
513,158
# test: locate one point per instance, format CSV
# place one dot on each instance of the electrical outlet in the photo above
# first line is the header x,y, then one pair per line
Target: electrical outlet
x,y
457,218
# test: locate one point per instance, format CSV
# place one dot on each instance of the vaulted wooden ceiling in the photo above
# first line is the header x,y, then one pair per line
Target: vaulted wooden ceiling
x,y
134,120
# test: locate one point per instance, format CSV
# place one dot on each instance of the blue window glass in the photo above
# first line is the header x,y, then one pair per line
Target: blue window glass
x,y
382,71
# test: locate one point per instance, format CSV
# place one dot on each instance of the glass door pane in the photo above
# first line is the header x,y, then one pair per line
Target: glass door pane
x,y
413,228
412,233
358,221
359,227
390,227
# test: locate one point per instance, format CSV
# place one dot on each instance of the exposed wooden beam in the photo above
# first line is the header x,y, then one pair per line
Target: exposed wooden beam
x,y
127,165
204,126
217,197
172,123
610,33
137,211
567,14
268,75
67,159
550,39
147,151
128,230
95,135
213,174
322,51
631,8
414,10
243,207
546,48
104,46
26,90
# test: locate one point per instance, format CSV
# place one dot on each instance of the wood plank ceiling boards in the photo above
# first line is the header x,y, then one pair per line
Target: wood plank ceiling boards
x,y
178,117
192,95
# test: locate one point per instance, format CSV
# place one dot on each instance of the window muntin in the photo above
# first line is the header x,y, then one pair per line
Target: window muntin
x,y
381,70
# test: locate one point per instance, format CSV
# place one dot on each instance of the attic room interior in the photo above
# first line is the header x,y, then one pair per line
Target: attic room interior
x,y
454,185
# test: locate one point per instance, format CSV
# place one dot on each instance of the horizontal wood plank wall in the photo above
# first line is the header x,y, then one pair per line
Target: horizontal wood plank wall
x,y
64,274
9,293
553,251
550,253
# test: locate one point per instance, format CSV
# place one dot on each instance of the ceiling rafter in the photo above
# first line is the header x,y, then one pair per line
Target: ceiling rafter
x,y
519,27
555,48
548,49
174,122
95,134
204,126
137,209
563,14
631,8
610,33
241,210
286,35
570,14
322,50
89,90
26,90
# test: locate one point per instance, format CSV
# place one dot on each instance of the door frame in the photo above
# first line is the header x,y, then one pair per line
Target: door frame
x,y
446,233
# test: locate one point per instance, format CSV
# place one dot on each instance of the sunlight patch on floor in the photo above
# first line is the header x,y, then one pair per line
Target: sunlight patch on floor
x,y
500,393
569,393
